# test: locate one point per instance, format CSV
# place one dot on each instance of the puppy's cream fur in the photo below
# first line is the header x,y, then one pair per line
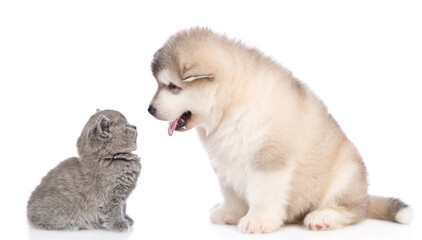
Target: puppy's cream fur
x,y
279,156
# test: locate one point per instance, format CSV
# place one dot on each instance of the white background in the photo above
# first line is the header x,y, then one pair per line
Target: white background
x,y
61,60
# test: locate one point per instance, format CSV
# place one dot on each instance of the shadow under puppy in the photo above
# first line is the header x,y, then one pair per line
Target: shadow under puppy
x,y
90,191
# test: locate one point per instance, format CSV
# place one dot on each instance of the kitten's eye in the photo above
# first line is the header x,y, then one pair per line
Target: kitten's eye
x,y
172,86
130,126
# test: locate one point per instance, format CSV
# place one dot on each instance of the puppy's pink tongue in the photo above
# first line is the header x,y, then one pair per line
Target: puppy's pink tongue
x,y
172,126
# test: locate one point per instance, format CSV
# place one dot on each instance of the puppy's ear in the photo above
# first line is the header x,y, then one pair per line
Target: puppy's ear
x,y
196,73
101,129
196,77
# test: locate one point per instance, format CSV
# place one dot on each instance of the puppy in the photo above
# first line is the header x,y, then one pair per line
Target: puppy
x,y
279,156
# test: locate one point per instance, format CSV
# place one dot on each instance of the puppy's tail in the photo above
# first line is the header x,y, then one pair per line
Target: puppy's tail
x,y
390,209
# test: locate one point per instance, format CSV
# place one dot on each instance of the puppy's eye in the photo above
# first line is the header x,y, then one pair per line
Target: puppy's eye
x,y
172,86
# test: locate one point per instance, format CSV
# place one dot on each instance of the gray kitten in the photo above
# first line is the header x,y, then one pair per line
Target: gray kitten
x,y
90,191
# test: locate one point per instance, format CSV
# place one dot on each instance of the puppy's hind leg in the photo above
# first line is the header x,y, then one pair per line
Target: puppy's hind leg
x,y
231,210
346,203
330,218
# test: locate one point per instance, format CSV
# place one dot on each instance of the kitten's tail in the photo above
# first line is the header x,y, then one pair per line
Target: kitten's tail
x,y
390,209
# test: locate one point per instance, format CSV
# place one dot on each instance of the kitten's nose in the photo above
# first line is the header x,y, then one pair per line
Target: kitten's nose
x,y
152,110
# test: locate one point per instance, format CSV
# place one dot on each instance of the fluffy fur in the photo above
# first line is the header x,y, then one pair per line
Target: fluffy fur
x,y
279,156
90,191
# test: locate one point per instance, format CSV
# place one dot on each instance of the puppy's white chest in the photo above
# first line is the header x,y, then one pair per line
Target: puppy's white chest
x,y
233,172
231,158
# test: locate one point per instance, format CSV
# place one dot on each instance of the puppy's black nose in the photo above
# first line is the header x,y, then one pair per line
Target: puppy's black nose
x,y
152,110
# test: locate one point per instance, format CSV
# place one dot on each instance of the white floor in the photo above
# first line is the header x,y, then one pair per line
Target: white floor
x,y
184,228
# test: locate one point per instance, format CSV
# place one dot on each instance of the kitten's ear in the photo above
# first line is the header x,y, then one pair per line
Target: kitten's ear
x,y
102,129
195,73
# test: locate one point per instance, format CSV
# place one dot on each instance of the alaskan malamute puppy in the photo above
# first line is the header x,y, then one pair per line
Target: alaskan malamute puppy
x,y
279,156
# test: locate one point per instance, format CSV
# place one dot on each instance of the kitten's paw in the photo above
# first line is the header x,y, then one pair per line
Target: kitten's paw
x,y
323,220
249,224
224,215
126,156
130,220
120,226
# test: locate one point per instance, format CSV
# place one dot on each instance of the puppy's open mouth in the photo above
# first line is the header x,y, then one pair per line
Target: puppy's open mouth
x,y
179,123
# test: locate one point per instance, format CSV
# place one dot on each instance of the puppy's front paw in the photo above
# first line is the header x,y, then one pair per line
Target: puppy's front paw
x,y
119,226
250,224
225,215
